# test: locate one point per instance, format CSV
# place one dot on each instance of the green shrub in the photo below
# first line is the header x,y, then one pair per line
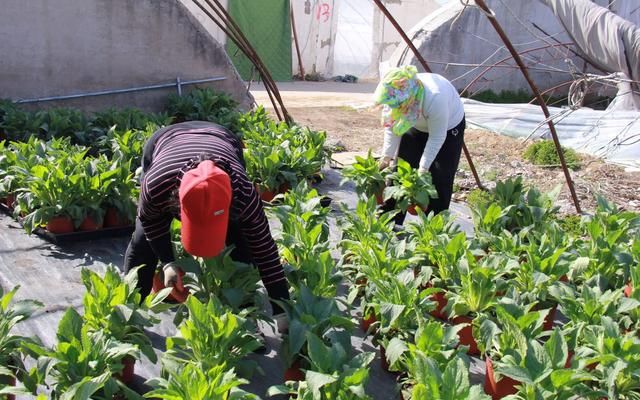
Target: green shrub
x,y
570,224
543,152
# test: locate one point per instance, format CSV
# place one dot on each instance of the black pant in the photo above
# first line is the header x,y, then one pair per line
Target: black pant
x,y
139,252
443,169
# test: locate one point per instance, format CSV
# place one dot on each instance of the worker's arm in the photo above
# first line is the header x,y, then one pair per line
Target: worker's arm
x,y
156,220
255,228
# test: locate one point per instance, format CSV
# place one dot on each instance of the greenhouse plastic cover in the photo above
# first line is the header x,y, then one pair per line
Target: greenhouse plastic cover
x,y
611,134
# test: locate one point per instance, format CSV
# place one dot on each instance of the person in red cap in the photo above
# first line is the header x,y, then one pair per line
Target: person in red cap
x,y
194,171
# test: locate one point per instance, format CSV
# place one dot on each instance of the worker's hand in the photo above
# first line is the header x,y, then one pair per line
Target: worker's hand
x,y
282,323
172,276
384,162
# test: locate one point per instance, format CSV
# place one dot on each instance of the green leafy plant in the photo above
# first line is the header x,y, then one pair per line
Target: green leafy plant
x,y
211,336
448,382
366,175
333,373
318,315
233,283
113,306
544,153
11,314
432,339
409,186
82,364
191,382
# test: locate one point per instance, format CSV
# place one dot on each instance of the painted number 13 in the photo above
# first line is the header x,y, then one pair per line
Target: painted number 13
x,y
324,10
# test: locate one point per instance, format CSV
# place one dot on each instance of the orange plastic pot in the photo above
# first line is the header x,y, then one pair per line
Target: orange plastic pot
x,y
60,225
179,296
294,372
466,334
113,219
128,367
500,389
89,224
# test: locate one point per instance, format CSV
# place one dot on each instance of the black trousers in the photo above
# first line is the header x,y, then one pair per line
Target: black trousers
x,y
139,252
443,169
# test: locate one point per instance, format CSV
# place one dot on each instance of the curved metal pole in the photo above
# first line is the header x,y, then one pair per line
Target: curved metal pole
x,y
424,64
534,88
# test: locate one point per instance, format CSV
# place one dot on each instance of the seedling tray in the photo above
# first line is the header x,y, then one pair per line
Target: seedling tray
x,y
72,237
81,236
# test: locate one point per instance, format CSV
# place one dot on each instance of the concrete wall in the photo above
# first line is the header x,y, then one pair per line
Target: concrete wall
x,y
70,46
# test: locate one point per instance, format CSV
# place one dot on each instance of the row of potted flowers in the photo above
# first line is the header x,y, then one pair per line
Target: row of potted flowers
x,y
535,265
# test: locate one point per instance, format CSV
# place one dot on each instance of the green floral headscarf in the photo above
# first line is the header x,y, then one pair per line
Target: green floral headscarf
x,y
401,94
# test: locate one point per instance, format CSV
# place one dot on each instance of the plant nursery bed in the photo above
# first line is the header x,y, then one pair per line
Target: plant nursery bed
x,y
73,237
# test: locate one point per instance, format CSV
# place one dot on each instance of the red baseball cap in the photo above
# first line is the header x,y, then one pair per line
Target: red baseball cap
x,y
205,198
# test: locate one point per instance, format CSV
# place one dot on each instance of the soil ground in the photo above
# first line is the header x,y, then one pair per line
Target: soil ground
x,y
344,111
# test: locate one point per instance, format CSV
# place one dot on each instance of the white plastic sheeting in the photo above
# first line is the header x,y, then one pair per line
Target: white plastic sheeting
x,y
612,135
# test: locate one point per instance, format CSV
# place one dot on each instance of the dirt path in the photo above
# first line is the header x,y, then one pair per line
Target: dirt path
x,y
341,110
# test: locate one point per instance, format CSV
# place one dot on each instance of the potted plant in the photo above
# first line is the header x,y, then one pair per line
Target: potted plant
x,y
432,339
410,188
333,373
473,297
112,305
81,362
11,364
431,380
507,339
611,357
211,336
399,305
192,382
367,177
318,315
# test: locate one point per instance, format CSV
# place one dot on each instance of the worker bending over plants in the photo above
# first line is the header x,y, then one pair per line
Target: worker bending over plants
x,y
423,119
195,172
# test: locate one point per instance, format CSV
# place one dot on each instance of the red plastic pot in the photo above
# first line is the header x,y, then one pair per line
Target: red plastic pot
x,y
113,219
89,224
412,209
128,364
179,296
367,321
502,388
294,372
60,225
628,290
548,320
441,303
466,334
379,198
267,195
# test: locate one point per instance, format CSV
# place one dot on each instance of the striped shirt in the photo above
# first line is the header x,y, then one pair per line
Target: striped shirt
x,y
168,155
